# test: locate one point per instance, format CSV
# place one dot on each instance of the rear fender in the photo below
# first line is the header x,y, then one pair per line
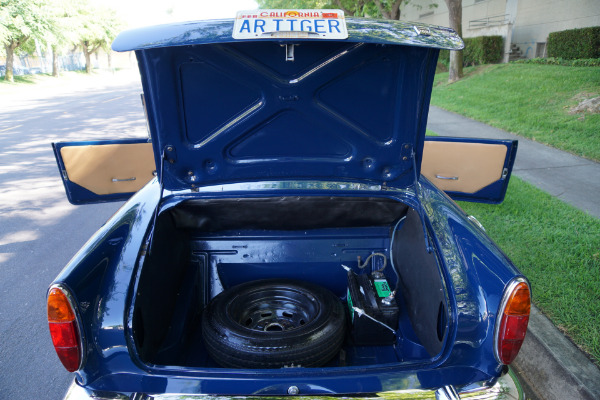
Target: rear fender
x,y
477,271
99,275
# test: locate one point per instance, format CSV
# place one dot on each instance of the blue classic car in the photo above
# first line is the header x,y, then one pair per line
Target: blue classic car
x,y
289,229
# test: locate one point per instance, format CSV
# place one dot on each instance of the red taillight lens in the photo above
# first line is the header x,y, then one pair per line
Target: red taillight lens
x,y
514,317
63,329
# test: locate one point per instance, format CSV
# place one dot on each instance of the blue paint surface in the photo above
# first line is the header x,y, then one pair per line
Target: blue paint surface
x,y
240,112
360,30
474,270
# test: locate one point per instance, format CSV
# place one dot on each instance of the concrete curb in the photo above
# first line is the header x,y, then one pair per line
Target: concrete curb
x,y
552,366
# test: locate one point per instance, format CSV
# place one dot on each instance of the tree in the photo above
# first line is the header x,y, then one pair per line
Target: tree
x,y
388,9
456,57
67,16
99,27
21,21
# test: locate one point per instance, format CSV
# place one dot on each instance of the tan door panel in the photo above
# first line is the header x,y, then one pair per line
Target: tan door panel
x,y
462,167
109,168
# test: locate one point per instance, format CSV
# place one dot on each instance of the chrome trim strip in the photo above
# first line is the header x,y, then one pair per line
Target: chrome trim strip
x,y
505,296
323,64
74,306
289,185
229,124
506,387
76,392
476,221
123,180
447,393
450,178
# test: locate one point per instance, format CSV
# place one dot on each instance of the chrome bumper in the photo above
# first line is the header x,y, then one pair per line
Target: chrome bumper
x,y
506,388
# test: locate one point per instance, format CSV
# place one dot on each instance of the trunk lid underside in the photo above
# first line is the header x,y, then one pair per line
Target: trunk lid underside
x,y
221,110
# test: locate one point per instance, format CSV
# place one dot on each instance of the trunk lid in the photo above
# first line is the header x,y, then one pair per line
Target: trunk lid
x,y
222,110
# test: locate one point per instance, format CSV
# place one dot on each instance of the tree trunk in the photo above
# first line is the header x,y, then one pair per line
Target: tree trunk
x,y
456,57
395,11
88,57
88,62
109,56
55,71
10,61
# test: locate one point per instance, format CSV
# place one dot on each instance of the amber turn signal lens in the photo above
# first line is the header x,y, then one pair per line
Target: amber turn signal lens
x,y
59,309
520,301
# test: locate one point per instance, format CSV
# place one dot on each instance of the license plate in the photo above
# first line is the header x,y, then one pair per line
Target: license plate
x,y
293,24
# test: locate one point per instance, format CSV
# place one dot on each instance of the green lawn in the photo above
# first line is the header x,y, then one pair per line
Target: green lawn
x,y
35,79
24,79
558,248
530,100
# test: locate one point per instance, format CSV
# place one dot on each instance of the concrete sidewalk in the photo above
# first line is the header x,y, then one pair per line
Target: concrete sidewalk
x,y
573,179
552,366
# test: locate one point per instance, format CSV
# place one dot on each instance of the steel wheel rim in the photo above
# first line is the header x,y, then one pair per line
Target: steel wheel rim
x,y
273,310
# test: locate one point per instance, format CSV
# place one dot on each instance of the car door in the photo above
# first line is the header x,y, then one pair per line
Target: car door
x,y
104,171
469,169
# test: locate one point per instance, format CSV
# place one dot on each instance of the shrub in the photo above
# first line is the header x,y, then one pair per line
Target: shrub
x,y
483,50
478,50
584,62
575,43
444,58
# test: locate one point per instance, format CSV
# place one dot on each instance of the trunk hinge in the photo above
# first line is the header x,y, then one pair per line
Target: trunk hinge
x,y
147,248
408,151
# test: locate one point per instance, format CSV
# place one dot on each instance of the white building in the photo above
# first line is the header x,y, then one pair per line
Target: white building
x,y
524,24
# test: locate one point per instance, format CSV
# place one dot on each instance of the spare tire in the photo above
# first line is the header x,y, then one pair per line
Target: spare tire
x,y
274,323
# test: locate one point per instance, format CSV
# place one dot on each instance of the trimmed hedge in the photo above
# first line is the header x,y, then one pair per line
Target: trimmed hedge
x,y
584,62
575,43
444,59
483,50
478,50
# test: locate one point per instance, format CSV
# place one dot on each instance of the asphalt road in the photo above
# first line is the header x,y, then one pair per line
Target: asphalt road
x,y
39,229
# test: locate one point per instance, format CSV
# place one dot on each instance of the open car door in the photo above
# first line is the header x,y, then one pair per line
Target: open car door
x,y
104,171
468,169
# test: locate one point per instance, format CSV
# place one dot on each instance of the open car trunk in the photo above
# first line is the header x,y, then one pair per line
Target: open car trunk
x,y
202,247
